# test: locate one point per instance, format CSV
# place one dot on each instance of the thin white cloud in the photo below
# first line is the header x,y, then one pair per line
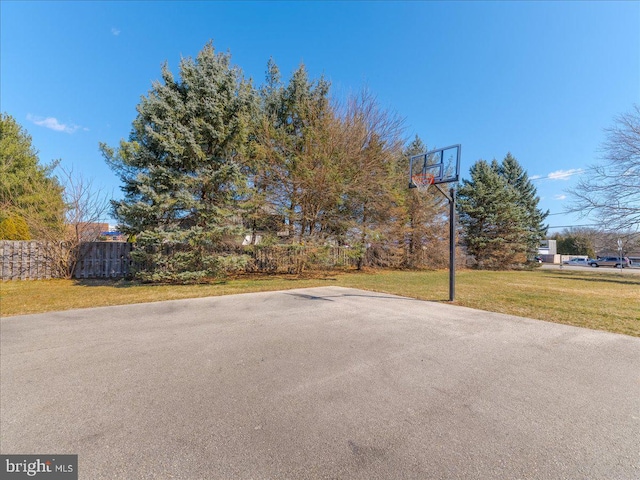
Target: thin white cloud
x,y
52,123
564,174
535,177
560,197
115,32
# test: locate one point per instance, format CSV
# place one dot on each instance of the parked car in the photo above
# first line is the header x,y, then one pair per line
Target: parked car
x,y
610,262
579,261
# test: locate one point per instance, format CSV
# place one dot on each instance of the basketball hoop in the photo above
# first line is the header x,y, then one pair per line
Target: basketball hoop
x,y
422,181
436,167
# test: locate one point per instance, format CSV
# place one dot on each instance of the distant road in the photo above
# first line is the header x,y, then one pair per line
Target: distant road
x,y
572,268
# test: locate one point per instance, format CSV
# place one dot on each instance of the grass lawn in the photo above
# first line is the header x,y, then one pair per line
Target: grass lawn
x,y
600,301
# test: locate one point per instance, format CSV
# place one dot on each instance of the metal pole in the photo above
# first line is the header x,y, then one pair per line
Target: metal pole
x,y
452,244
620,254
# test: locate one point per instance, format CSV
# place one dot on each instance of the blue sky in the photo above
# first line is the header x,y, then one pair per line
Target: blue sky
x,y
539,79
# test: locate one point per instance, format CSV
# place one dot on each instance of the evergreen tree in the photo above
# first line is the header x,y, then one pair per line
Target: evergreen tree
x,y
14,228
328,170
528,199
493,218
182,169
31,198
294,163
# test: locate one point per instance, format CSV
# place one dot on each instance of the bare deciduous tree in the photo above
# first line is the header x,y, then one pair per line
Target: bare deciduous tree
x,y
611,191
85,205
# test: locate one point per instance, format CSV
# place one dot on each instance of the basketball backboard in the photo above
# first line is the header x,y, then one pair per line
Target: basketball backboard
x,y
441,165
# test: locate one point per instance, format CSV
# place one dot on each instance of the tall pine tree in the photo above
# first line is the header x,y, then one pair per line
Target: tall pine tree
x,y
493,218
182,169
292,171
528,199
31,198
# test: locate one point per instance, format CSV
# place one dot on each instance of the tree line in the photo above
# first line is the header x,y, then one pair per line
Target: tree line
x,y
592,242
211,159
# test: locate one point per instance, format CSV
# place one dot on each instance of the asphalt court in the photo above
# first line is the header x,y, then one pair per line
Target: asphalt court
x,y
319,383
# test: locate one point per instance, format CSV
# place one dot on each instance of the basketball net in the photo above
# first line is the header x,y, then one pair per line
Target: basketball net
x,y
423,181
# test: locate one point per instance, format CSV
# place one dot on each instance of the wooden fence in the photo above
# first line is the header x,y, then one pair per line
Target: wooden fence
x,y
33,260
103,260
295,259
26,260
